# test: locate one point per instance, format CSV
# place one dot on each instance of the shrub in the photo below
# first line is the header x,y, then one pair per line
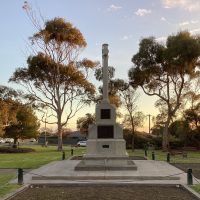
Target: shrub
x,y
142,139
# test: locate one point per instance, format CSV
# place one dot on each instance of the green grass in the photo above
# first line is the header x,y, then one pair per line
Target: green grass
x,y
192,157
5,187
36,159
196,188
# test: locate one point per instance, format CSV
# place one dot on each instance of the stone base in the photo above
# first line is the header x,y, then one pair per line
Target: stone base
x,y
100,164
106,148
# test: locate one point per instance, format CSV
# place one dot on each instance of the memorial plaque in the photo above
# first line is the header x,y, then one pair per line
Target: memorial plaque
x,y
105,146
105,113
105,131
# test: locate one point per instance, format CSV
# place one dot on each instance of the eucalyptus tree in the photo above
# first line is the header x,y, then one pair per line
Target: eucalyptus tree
x,y
129,97
164,70
113,87
9,101
83,123
54,76
25,126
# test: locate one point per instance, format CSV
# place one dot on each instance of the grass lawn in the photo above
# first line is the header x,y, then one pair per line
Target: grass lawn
x,y
192,157
5,187
196,188
43,155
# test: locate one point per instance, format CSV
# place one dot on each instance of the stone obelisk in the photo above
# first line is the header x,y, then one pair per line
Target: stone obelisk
x,y
105,72
106,149
105,138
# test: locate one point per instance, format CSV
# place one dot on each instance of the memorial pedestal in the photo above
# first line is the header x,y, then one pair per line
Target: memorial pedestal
x,y
106,148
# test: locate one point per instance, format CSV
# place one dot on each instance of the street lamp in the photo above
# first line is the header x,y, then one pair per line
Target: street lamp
x,y
149,123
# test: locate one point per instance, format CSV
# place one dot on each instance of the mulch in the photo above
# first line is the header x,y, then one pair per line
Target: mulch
x,y
194,166
105,192
16,150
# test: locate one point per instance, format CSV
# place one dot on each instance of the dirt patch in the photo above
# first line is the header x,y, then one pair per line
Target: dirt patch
x,y
194,166
105,192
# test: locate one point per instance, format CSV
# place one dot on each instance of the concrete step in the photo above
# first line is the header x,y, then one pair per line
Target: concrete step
x,y
140,178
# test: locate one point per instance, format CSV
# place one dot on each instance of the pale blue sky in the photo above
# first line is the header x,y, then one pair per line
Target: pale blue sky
x,y
121,24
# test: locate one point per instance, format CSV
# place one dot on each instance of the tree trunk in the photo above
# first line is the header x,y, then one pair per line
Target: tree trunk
x,y
165,140
60,142
15,143
133,134
133,142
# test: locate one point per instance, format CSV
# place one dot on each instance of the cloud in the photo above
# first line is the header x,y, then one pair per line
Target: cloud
x,y
142,12
189,5
185,23
161,39
195,31
113,8
194,21
163,19
126,37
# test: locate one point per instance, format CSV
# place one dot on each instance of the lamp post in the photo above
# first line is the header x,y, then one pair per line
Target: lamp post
x,y
45,131
149,123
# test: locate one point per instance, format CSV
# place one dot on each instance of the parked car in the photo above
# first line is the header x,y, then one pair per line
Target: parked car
x,y
32,140
81,144
9,140
2,141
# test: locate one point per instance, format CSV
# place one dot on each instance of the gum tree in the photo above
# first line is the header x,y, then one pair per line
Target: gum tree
x,y
24,127
164,70
54,77
128,96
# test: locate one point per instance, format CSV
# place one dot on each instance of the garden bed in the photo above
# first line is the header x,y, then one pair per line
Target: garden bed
x,y
194,166
105,192
16,150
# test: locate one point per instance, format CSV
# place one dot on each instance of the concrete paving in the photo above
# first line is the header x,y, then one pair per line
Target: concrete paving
x,y
148,172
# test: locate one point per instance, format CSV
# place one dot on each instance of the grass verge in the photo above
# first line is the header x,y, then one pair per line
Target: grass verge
x,y
196,188
5,187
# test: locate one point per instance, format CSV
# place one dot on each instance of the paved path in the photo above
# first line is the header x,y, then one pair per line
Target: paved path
x,y
148,172
4,170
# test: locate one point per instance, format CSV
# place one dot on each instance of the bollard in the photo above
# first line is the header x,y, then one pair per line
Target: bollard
x,y
168,157
145,153
189,177
20,176
72,152
63,155
153,155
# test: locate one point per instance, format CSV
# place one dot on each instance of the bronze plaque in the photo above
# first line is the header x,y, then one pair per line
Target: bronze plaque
x,y
105,131
105,113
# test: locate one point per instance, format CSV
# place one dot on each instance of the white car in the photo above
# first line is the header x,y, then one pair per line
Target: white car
x,y
81,144
2,141
9,140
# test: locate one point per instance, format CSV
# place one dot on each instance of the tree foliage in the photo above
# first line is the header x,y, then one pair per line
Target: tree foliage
x,y
9,103
54,77
192,116
25,126
83,123
164,70
114,85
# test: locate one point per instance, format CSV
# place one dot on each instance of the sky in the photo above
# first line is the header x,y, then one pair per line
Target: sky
x,y
120,23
